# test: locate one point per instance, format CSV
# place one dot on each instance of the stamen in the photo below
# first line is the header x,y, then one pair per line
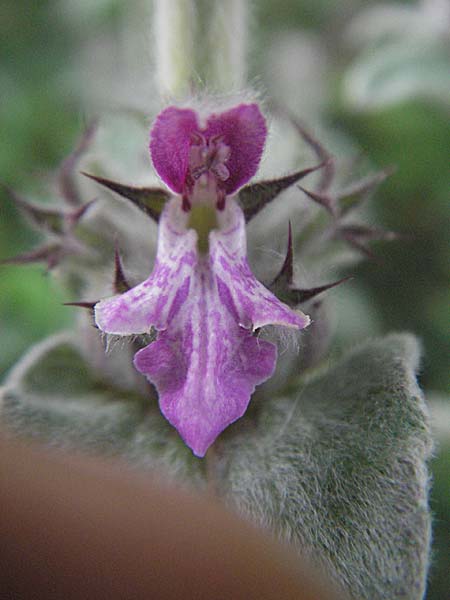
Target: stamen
x,y
220,199
221,172
208,156
186,205
207,171
198,172
197,139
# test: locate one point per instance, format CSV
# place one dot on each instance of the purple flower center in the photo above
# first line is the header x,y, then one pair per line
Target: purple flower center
x,y
207,170
208,156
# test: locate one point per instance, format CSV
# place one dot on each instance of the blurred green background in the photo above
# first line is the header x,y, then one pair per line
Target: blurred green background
x,y
376,75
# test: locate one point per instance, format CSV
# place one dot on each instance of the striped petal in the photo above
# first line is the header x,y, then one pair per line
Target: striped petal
x,y
206,360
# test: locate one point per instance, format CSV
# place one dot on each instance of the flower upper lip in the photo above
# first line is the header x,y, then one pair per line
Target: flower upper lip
x,y
229,147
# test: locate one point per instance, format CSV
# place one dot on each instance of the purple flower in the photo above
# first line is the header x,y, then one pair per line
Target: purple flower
x,y
201,297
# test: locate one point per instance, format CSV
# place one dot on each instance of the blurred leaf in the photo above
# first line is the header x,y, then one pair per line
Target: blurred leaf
x,y
394,72
41,218
340,470
30,308
405,285
441,540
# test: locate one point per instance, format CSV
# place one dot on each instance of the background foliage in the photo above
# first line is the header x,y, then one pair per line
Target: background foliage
x,y
50,50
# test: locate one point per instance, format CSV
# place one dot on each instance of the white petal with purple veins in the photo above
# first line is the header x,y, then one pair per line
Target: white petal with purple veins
x,y
205,362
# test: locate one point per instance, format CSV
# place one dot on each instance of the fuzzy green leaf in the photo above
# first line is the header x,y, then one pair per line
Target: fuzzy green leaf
x,y
52,395
336,466
338,469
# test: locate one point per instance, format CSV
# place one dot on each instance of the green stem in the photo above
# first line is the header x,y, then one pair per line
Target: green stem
x,y
221,51
200,44
174,36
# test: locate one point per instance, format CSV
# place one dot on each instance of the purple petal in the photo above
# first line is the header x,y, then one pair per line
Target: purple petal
x,y
205,373
244,131
154,302
240,292
206,360
170,140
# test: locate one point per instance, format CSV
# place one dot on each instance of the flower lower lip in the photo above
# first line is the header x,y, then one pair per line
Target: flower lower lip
x,y
205,362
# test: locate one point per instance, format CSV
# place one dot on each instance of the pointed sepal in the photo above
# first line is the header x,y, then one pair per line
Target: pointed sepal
x,y
321,153
253,198
88,305
306,294
359,237
366,233
41,218
66,177
323,199
49,253
286,273
356,193
74,217
150,200
282,285
121,284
